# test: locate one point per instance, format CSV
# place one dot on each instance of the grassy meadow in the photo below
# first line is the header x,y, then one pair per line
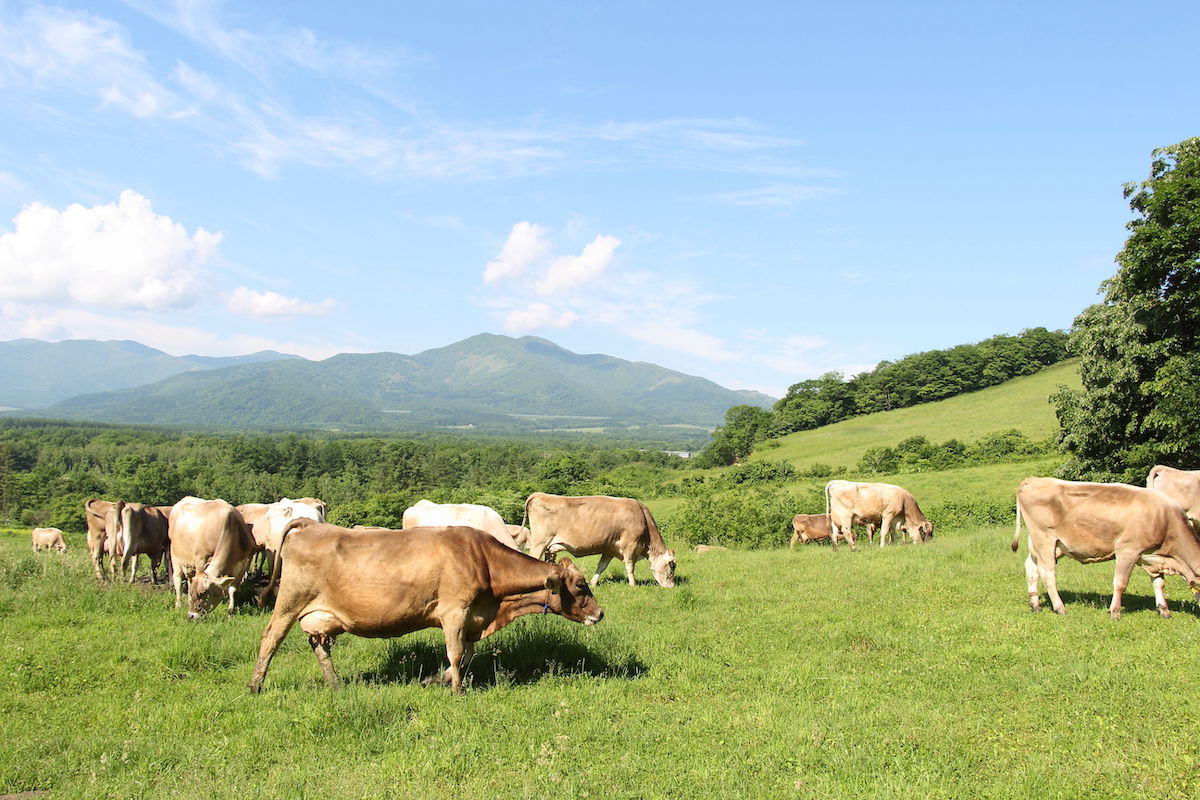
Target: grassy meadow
x,y
1021,403
913,671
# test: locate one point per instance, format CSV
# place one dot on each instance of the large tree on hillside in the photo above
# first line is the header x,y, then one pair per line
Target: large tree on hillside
x,y
1140,346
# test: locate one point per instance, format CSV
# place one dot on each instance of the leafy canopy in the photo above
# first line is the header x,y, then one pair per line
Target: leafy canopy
x,y
1139,347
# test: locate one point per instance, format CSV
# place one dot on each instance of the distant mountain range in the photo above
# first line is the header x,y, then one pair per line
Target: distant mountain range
x,y
486,382
36,374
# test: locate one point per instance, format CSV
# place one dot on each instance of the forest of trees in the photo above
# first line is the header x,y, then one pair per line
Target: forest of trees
x,y
48,469
919,378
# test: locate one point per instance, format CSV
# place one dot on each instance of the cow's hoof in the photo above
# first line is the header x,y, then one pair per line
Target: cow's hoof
x,y
1164,613
255,688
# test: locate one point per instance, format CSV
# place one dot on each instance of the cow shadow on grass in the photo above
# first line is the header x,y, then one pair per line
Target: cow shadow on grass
x,y
1131,602
618,578
514,660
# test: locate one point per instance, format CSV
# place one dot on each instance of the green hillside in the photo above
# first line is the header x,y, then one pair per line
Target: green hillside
x,y
1022,403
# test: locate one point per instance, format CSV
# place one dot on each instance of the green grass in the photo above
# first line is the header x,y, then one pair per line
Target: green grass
x,y
1020,403
915,671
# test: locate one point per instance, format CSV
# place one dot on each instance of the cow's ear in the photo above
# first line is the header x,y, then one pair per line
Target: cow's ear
x,y
566,562
225,581
554,582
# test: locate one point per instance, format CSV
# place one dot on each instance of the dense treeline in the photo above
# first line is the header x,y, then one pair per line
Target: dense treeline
x,y
48,469
919,378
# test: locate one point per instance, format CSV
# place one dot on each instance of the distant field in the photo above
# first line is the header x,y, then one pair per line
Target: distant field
x,y
913,672
1020,403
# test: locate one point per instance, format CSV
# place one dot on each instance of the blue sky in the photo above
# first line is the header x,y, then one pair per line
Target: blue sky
x,y
755,192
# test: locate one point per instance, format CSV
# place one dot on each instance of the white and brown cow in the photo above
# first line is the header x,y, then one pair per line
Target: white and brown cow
x,y
1181,485
378,584
610,527
1093,522
211,548
48,539
266,522
427,514
882,504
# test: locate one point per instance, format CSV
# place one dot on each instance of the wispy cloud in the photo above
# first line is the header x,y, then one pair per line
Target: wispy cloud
x,y
774,195
272,305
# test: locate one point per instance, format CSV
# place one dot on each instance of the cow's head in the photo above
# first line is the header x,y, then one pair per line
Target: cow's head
x,y
205,593
663,567
570,594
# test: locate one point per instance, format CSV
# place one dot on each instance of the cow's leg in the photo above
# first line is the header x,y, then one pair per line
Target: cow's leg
x,y
464,662
870,533
231,591
1046,558
281,622
321,644
177,581
885,529
1031,579
795,538
629,570
601,565
130,564
1160,599
1124,568
155,560
456,648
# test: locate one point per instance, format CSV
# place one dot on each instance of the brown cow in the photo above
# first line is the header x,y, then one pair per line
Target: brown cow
x,y
48,538
377,584
890,507
98,540
815,527
1182,486
1093,522
611,527
137,529
211,547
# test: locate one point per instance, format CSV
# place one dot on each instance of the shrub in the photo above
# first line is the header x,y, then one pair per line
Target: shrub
x,y
756,472
758,518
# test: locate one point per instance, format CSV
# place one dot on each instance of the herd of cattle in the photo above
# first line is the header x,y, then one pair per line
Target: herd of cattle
x,y
459,567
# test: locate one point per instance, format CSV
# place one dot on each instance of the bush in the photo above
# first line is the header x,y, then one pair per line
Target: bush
x,y
757,472
759,518
956,515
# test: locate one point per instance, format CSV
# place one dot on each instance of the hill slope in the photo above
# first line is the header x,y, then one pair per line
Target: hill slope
x,y
38,374
1021,403
487,381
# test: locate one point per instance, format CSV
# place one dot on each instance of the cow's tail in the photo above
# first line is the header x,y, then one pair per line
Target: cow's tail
x,y
1017,532
525,513
1153,476
266,595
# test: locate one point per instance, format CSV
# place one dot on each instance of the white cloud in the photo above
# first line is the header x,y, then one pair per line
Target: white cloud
x,y
526,244
674,336
120,255
81,53
570,272
249,302
536,316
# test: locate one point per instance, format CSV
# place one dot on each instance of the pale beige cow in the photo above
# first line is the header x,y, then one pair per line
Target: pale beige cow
x,y
211,548
427,514
48,539
849,503
1181,485
1093,522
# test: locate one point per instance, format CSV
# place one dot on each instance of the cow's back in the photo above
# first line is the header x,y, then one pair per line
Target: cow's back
x,y
587,525
197,528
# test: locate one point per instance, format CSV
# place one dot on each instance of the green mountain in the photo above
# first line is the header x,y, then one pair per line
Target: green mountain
x,y
486,382
38,374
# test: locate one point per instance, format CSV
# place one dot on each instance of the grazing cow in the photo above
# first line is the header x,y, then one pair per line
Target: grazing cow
x,y
1093,522
211,547
882,504
1182,486
708,548
427,514
379,585
47,538
138,529
611,527
98,540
